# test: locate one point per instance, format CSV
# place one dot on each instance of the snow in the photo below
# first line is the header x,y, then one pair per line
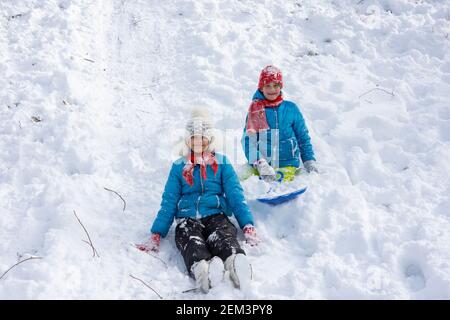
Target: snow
x,y
95,93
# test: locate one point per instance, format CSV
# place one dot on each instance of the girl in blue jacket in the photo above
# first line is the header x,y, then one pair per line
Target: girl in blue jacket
x,y
275,135
202,190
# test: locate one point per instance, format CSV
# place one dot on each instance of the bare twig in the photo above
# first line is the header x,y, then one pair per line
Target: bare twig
x,y
147,286
140,110
152,86
151,255
91,246
190,290
36,119
148,94
94,251
15,16
30,258
389,93
89,60
124,202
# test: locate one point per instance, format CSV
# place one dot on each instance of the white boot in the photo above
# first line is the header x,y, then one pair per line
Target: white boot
x,y
200,270
240,270
208,274
216,271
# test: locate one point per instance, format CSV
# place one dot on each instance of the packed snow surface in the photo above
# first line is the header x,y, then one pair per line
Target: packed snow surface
x,y
94,95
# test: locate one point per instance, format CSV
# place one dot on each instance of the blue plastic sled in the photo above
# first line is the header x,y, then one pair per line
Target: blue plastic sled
x,y
276,200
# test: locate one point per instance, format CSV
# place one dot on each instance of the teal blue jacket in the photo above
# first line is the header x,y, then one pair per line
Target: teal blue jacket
x,y
294,140
220,192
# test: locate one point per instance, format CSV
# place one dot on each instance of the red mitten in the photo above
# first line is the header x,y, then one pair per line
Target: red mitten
x,y
152,244
250,235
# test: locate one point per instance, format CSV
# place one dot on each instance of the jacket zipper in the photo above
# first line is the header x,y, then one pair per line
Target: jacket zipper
x,y
276,118
198,199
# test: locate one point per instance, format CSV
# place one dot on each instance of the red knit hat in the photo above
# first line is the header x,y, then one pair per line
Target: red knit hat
x,y
270,74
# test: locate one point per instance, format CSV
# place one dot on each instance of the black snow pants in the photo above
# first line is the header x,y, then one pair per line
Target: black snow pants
x,y
202,239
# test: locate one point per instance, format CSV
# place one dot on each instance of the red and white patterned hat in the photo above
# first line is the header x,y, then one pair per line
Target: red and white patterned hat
x,y
270,74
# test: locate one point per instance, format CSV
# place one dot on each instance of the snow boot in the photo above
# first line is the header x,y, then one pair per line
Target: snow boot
x,y
216,271
240,270
208,274
200,270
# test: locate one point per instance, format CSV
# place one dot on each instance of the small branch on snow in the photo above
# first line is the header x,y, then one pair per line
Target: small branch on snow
x,y
36,119
153,85
15,16
140,110
165,264
124,202
83,58
30,258
389,93
145,284
94,251
189,290
148,94
153,256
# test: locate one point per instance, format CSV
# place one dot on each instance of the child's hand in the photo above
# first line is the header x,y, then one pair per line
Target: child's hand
x,y
311,166
152,244
250,235
266,172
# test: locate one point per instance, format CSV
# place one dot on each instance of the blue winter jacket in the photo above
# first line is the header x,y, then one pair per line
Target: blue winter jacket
x,y
221,192
294,141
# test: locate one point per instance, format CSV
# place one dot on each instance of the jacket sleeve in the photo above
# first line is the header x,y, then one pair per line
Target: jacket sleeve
x,y
302,135
235,195
169,203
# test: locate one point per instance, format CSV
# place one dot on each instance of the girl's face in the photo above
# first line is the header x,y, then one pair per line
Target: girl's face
x,y
271,90
198,144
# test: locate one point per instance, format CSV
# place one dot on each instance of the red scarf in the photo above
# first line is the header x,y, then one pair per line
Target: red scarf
x,y
256,120
206,159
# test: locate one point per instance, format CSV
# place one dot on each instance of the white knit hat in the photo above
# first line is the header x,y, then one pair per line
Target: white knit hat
x,y
200,124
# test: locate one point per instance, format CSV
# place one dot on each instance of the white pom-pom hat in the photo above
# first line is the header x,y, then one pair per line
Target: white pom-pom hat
x,y
200,124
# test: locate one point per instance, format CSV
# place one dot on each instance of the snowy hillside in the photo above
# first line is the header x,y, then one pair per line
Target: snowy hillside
x,y
93,96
